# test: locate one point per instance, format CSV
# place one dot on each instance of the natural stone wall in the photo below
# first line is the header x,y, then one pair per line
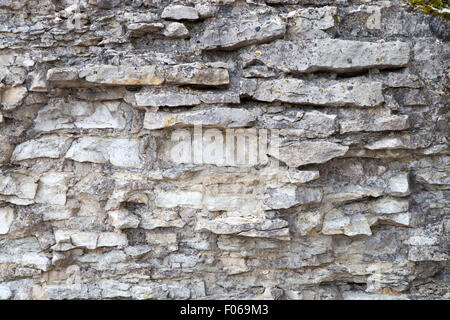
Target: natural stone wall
x,y
352,204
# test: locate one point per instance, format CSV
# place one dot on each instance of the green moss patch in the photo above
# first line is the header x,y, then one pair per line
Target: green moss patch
x,y
433,7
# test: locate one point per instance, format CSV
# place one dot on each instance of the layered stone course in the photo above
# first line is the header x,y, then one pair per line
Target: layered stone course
x,y
350,201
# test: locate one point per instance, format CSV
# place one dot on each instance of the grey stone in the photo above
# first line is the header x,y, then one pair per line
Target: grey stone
x,y
121,152
291,195
302,176
6,219
391,123
52,188
51,146
433,177
311,23
301,153
208,74
398,185
390,205
161,218
98,98
17,187
122,219
217,116
336,223
13,97
171,199
5,292
240,30
166,99
315,55
179,12
357,92
25,252
247,226
137,30
176,30
83,115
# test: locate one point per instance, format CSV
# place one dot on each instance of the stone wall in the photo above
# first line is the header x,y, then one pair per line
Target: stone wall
x,y
352,204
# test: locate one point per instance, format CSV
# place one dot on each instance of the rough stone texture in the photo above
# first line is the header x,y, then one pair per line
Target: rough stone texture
x,y
358,92
352,205
315,55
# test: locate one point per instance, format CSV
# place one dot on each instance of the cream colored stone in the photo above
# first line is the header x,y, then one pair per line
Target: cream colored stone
x,y
53,188
122,219
13,97
171,199
121,152
51,146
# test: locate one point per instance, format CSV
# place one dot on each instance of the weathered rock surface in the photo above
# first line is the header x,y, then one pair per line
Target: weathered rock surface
x,y
119,152
213,116
357,92
179,12
183,98
13,97
315,55
289,196
301,153
6,219
207,74
387,123
60,114
17,187
270,149
51,146
241,29
24,252
176,30
246,226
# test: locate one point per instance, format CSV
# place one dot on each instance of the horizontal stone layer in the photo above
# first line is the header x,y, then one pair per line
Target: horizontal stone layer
x,y
205,74
213,116
315,55
357,92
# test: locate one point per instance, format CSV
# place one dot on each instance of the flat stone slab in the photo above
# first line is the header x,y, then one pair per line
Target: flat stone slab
x,y
121,152
240,30
316,55
357,92
204,74
220,116
172,98
301,153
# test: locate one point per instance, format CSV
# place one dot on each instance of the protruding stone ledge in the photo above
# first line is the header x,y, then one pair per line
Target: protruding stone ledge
x,y
301,153
70,239
400,141
290,196
315,55
381,123
179,12
219,116
358,92
121,152
172,98
25,252
247,226
12,97
240,30
51,146
202,74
